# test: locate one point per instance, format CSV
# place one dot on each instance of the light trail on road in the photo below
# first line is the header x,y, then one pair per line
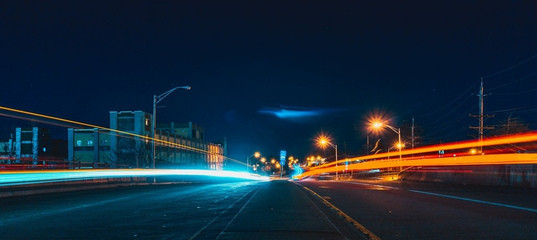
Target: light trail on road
x,y
360,163
475,160
32,177
512,139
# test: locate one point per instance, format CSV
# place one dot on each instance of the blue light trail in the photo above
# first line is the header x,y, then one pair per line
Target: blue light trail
x,y
34,177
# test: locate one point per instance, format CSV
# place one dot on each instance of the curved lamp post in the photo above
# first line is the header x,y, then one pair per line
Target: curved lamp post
x,y
157,99
322,141
379,125
256,155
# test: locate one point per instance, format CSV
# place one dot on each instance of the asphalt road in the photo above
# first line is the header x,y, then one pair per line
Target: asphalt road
x,y
274,210
140,212
237,210
421,211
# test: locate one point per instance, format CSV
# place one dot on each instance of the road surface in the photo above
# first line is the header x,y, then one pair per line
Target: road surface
x,y
238,210
424,211
274,210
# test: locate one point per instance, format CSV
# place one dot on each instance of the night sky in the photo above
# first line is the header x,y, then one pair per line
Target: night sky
x,y
272,75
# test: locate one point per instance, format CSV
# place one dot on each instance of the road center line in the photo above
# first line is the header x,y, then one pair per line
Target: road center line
x,y
477,201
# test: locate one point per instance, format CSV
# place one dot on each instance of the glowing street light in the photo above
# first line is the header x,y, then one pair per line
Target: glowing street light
x,y
157,99
473,151
323,141
377,125
256,155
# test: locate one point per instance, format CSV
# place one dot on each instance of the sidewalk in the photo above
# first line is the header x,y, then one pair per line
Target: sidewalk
x,y
280,210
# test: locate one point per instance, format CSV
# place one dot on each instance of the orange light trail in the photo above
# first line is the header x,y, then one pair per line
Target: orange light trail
x,y
490,159
512,139
495,159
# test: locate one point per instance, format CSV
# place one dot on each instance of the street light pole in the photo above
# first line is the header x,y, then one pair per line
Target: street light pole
x,y
335,147
399,144
256,154
323,141
157,99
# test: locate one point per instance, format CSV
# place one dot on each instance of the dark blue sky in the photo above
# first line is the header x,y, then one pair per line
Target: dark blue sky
x,y
337,61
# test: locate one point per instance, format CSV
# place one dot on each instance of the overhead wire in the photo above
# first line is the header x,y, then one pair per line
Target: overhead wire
x,y
438,109
514,81
511,67
464,100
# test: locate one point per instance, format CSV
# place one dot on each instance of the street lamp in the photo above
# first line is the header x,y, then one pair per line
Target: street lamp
x,y
400,145
322,141
256,155
157,99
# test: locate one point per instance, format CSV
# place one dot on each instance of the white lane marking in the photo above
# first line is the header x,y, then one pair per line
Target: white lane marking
x,y
224,211
375,185
239,212
477,201
454,197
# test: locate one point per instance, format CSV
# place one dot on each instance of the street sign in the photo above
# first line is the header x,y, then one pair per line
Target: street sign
x,y
283,154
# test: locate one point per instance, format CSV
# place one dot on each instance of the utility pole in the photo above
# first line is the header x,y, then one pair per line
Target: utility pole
x,y
367,145
412,132
508,123
481,116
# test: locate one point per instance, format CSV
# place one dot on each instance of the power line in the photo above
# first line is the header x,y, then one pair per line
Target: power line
x,y
509,68
446,105
515,81
509,110
519,93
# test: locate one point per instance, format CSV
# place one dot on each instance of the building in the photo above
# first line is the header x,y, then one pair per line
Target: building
x,y
128,144
89,148
32,147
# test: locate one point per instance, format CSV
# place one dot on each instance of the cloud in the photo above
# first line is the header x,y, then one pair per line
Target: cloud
x,y
294,112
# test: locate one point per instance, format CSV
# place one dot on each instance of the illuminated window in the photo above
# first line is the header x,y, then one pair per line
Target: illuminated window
x,y
78,143
90,142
